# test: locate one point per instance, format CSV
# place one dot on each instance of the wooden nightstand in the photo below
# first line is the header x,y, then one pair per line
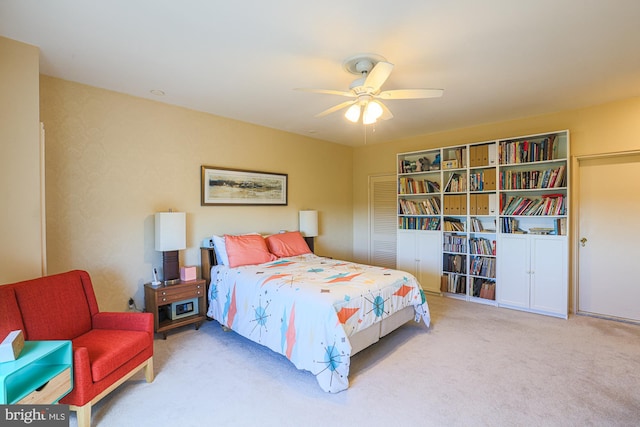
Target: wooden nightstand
x,y
42,374
172,306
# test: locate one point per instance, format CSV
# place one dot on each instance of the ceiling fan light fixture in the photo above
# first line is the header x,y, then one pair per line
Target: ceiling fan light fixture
x,y
372,112
353,113
373,71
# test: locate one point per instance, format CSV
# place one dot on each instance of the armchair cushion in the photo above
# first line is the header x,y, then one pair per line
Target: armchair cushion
x,y
109,349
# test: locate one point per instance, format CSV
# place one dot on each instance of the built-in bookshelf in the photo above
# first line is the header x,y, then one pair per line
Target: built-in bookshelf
x,y
471,203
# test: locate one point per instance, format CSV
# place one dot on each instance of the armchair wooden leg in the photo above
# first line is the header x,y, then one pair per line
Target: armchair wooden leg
x,y
148,370
83,413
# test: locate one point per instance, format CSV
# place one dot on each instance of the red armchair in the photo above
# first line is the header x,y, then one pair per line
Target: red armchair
x,y
108,348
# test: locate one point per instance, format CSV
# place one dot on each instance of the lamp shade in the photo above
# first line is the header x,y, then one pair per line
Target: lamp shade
x,y
171,231
372,111
353,113
309,223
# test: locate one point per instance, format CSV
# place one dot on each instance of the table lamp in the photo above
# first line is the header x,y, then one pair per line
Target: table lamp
x,y
309,226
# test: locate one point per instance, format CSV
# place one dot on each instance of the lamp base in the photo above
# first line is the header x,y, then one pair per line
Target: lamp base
x,y
309,241
170,267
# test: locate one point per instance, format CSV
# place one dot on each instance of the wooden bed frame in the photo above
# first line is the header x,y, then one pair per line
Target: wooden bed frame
x,y
359,341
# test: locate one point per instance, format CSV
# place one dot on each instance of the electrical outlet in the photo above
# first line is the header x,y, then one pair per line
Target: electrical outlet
x,y
132,303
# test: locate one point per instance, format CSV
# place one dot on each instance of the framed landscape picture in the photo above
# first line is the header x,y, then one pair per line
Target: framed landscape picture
x,y
223,186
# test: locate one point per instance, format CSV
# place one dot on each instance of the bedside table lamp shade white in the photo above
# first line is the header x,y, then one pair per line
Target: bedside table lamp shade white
x,y
309,226
171,234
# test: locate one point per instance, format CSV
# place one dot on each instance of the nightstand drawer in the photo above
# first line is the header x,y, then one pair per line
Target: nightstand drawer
x,y
174,295
51,391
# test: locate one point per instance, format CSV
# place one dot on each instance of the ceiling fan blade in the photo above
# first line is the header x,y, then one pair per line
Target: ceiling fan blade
x,y
386,113
336,108
378,75
328,92
410,93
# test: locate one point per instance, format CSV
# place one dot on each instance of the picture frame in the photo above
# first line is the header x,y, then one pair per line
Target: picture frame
x,y
225,186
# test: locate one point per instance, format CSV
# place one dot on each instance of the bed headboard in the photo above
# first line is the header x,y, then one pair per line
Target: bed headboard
x,y
207,260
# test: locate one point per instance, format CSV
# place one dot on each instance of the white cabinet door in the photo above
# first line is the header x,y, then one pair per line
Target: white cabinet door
x,y
549,280
429,250
406,256
419,253
513,270
533,273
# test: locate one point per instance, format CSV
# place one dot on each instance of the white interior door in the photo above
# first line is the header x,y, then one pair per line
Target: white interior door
x,y
608,234
382,220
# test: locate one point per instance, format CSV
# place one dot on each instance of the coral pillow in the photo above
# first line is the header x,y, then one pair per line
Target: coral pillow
x,y
247,249
287,244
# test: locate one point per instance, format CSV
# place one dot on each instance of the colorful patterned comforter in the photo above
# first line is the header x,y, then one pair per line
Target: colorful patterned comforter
x,y
306,307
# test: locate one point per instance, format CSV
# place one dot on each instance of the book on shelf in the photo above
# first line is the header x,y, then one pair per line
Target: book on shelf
x,y
455,183
542,230
419,223
454,243
429,206
560,227
511,226
482,246
528,150
407,185
453,224
454,263
454,283
476,225
488,290
483,266
532,179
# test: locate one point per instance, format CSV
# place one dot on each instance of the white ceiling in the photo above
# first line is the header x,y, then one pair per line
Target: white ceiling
x,y
495,59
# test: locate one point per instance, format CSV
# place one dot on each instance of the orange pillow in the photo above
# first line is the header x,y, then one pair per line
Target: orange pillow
x,y
247,249
287,244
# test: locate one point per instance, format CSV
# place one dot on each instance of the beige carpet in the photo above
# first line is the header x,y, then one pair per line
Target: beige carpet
x,y
476,366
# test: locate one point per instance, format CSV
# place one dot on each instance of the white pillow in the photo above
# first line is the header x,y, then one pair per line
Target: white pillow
x,y
220,250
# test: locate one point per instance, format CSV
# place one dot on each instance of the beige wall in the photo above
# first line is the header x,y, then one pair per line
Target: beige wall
x,y
605,128
21,236
114,160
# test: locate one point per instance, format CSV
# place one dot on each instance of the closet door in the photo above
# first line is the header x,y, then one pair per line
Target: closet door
x,y
383,221
608,236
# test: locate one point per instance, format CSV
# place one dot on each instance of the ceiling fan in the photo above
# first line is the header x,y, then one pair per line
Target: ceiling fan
x,y
366,104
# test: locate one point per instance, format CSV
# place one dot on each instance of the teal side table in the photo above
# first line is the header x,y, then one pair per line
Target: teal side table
x,y
42,374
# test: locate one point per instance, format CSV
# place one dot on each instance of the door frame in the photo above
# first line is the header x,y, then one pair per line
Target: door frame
x,y
575,215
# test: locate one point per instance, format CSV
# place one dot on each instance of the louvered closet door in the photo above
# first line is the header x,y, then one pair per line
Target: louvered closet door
x,y
382,220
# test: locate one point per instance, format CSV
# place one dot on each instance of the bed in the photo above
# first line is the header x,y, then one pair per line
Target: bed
x,y
316,311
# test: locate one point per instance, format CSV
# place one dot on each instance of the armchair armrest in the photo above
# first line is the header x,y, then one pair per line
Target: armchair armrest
x,y
82,379
124,321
